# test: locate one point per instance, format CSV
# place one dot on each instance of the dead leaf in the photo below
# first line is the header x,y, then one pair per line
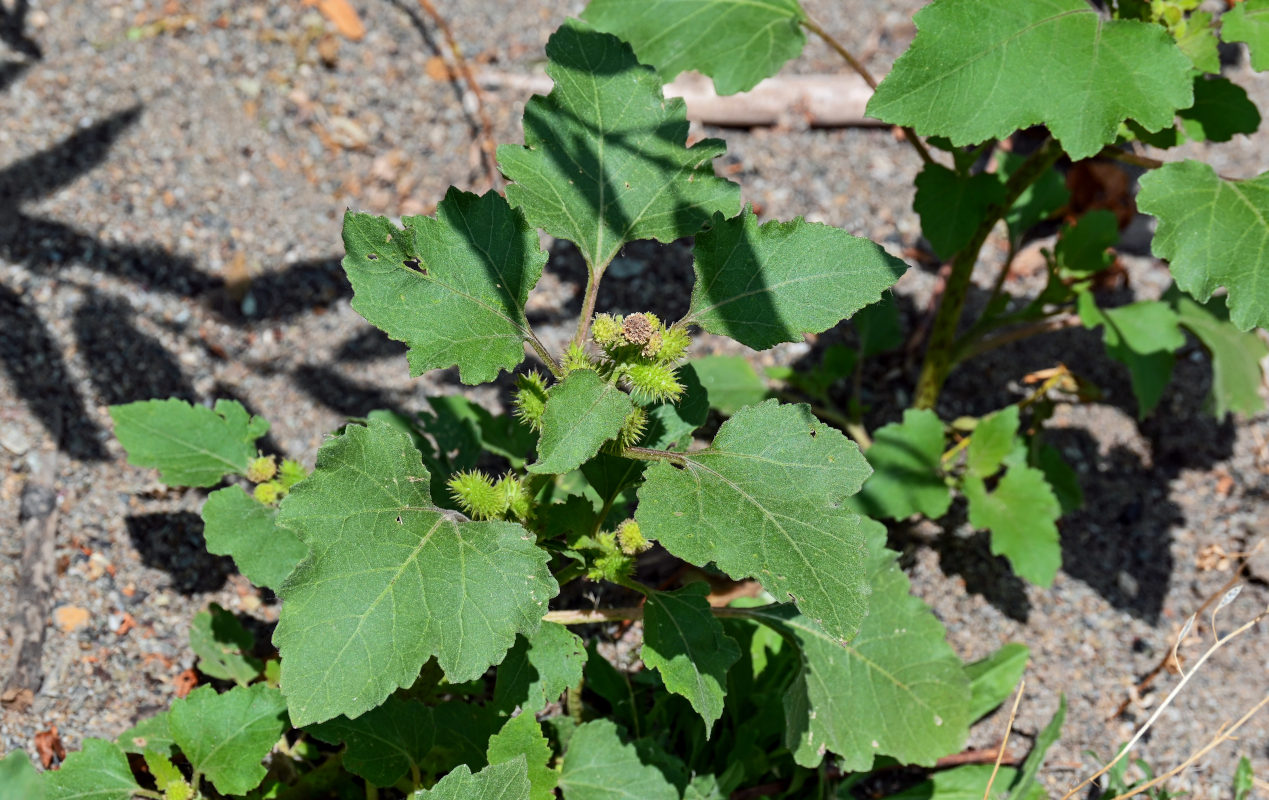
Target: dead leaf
x,y
185,683
18,700
70,618
49,747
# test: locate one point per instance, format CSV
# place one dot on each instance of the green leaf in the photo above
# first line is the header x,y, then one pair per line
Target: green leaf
x,y
236,524
1142,336
1199,43
223,646
98,772
737,43
672,424
582,412
522,737
1061,477
391,580
907,475
458,424
952,205
982,69
538,669
507,781
878,326
226,736
604,161
993,679
762,285
599,766
452,287
992,440
1244,779
190,445
1024,784
731,383
18,778
1021,513
898,689
167,777
685,642
1038,202
153,733
1235,354
1249,22
1221,109
1083,247
765,502
1215,232
967,782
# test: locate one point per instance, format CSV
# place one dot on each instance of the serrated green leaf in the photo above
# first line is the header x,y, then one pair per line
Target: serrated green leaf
x,y
1235,354
582,412
98,772
18,778
672,424
686,643
604,161
907,477
968,782
952,205
1021,513
1221,109
538,669
1199,43
992,440
1083,247
992,680
1024,783
1249,22
731,383
522,737
1142,336
762,285
1038,202
737,43
190,445
235,524
391,580
153,733
452,287
897,689
226,736
982,69
765,501
1214,232
167,778
507,781
223,646
878,326
1244,779
466,428
598,765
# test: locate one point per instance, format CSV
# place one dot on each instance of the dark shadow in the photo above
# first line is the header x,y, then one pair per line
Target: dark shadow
x,y
127,365
371,344
340,394
173,542
300,288
10,71
12,29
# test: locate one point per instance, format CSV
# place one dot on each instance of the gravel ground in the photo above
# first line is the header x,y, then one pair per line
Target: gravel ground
x,y
158,158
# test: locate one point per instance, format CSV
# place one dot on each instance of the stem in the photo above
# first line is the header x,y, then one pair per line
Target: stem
x,y
908,134
938,356
648,454
1047,325
594,616
545,355
588,307
148,793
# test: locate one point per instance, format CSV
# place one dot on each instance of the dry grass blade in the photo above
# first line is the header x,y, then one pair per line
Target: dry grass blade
x,y
1004,743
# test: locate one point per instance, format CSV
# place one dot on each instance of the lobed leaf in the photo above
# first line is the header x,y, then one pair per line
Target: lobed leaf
x,y
18,778
1083,248
190,445
1235,355
521,737
1021,513
506,781
582,412
538,669
1221,109
1249,22
993,439
98,772
1200,44
907,477
223,646
951,205
235,524
226,736
598,765
391,580
1142,336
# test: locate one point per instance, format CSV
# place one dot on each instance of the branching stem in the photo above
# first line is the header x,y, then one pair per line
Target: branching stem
x,y
648,454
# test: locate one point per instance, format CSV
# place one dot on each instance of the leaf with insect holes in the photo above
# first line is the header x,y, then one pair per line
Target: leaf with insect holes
x,y
522,737
982,69
506,781
1235,354
235,524
1249,22
604,160
98,772
1142,336
582,412
907,477
952,205
765,501
453,287
190,445
1021,513
598,765
391,580
762,285
735,42
897,689
1214,232
226,736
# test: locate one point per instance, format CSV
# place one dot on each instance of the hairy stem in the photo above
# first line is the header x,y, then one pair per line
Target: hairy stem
x,y
938,355
597,615
588,307
648,454
545,355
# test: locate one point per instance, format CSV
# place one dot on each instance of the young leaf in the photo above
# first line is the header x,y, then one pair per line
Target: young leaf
x,y
506,781
1142,336
226,736
153,733
522,737
1199,43
236,524
1235,354
1083,247
736,43
538,669
391,580
167,778
907,477
1061,477
897,689
1021,514
1024,783
685,643
951,205
765,501
599,766
223,646
98,772
18,778
582,412
452,287
604,161
1215,232
1244,779
982,69
762,285
993,439
730,382
190,445
672,423
993,679
968,782
1221,109
1249,22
